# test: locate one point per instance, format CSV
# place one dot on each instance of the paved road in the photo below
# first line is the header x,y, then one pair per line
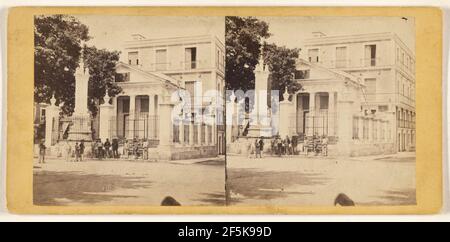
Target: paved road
x,y
113,182
297,180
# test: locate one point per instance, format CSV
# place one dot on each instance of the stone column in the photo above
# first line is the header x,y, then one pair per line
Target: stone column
x,y
165,130
361,128
214,130
181,132
312,103
345,127
105,112
331,114
131,117
285,115
199,131
151,105
51,113
191,133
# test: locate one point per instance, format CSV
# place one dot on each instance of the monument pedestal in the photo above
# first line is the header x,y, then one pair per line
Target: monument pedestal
x,y
80,128
257,131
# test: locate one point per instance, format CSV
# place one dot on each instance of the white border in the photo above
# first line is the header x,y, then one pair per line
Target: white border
x,y
5,216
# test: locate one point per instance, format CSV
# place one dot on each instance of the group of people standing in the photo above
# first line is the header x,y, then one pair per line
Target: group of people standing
x,y
286,146
77,151
106,150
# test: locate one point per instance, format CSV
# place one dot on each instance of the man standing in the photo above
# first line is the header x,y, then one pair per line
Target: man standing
x,y
257,149
107,145
81,150
261,147
100,149
77,152
115,148
42,152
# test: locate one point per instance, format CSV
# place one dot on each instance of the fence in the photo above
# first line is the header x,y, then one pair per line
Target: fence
x,y
320,123
371,129
144,127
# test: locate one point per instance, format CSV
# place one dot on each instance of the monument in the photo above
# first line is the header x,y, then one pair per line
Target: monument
x,y
80,128
260,125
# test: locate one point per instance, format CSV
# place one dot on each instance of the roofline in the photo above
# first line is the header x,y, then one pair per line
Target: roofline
x,y
168,80
172,41
382,35
345,75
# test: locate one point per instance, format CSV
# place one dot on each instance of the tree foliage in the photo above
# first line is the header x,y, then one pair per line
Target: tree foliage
x,y
243,38
281,62
57,40
101,64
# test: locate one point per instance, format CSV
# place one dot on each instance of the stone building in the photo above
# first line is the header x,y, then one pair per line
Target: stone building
x,y
152,70
386,67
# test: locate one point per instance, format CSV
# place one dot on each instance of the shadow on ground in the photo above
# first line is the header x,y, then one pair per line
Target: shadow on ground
x,y
60,188
213,199
397,159
262,185
395,197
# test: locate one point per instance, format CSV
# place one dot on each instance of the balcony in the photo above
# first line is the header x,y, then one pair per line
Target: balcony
x,y
367,62
160,66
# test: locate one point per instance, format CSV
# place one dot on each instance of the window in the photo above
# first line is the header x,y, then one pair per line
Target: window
x,y
324,102
341,57
301,74
370,55
218,58
125,105
161,60
355,127
133,58
313,55
383,108
370,89
144,107
190,58
122,77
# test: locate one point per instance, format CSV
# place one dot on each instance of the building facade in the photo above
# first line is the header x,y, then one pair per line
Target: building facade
x,y
386,67
150,72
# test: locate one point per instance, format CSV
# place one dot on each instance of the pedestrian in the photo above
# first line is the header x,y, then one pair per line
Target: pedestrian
x,y
325,145
67,151
145,149
294,144
100,149
82,150
251,149
279,146
115,148
95,148
261,147
42,149
107,145
126,146
135,148
287,145
257,149
77,152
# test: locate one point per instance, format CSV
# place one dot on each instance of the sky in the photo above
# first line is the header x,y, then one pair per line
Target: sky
x,y
111,32
291,31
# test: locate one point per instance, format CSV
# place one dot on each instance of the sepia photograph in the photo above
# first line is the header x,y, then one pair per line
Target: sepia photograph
x,y
320,111
128,110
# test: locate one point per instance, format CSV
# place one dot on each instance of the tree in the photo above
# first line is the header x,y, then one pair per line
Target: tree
x,y
243,38
57,40
281,62
101,64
